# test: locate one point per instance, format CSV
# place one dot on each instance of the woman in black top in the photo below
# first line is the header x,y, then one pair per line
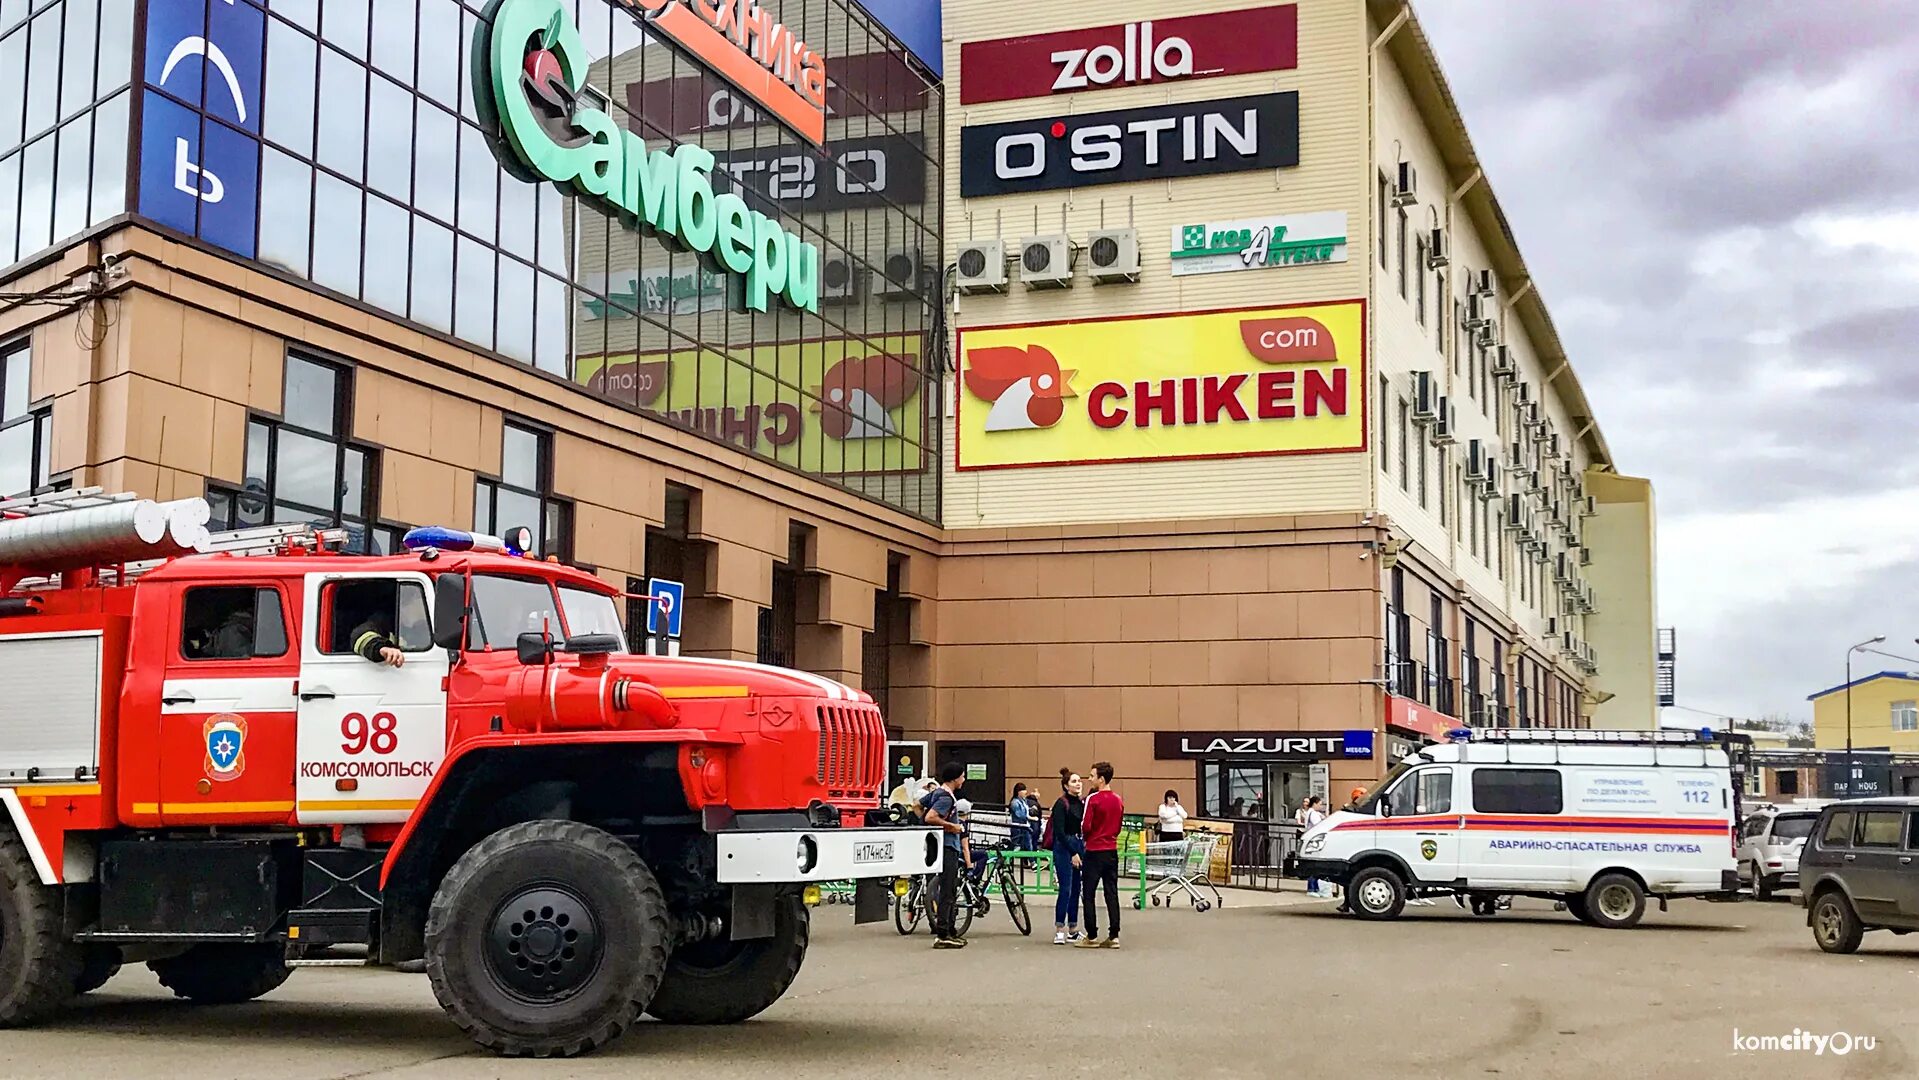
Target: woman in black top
x,y
1068,845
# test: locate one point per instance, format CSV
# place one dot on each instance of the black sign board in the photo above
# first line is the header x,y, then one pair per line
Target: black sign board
x,y
1197,138
850,174
1862,779
1263,745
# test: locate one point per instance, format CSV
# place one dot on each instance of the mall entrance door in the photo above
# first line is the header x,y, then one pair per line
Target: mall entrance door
x,y
985,764
1256,791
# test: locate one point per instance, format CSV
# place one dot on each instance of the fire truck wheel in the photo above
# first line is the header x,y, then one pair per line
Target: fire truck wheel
x,y
223,974
725,982
546,939
37,965
98,964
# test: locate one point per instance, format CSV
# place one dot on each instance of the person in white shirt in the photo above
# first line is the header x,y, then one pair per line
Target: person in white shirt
x,y
1309,816
1172,818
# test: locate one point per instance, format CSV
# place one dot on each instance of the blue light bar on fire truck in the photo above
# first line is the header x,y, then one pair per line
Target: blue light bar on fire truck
x,y
518,541
1672,736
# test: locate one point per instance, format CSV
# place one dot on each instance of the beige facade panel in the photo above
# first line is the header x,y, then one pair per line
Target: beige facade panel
x,y
1330,81
1624,627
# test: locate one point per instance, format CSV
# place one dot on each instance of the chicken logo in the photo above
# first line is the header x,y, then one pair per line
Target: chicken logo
x,y
1027,386
856,397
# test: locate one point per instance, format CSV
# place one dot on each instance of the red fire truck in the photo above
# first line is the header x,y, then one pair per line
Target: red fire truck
x,y
231,763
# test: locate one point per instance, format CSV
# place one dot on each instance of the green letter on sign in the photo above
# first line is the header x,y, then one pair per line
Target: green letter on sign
x,y
538,65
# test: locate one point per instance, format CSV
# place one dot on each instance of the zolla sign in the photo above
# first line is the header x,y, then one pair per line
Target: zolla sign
x,y
537,63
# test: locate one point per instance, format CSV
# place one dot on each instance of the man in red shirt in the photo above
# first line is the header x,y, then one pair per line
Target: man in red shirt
x,y
1100,827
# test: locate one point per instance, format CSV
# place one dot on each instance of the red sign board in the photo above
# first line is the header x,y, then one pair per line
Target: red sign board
x,y
1409,715
873,83
1130,54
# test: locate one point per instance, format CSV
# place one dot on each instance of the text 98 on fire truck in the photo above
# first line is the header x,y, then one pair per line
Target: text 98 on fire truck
x,y
230,766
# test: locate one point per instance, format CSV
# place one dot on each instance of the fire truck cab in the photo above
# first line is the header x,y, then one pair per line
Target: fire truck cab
x,y
228,767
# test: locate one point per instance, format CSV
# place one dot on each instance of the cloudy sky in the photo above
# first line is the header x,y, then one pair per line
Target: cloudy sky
x,y
1721,205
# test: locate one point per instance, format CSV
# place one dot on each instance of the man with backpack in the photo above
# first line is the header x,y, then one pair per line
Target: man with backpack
x,y
939,808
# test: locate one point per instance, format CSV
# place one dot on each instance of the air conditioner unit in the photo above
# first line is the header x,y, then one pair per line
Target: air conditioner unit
x,y
1592,600
1552,628
1114,256
1504,366
1436,250
1554,449
1478,312
1569,642
1589,506
839,280
1562,569
1479,468
1443,422
900,275
982,267
1425,398
1490,490
1405,185
1516,459
1483,282
1046,262
1515,519
1525,393
1535,418
1488,335
1585,555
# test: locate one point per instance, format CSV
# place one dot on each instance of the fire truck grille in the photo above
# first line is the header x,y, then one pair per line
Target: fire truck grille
x,y
852,749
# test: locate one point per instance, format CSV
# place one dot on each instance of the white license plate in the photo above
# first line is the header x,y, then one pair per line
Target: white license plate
x,y
873,851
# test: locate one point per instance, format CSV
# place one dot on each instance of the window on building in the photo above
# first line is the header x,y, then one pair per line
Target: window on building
x,y
1405,427
1385,422
301,467
1421,442
26,433
1905,716
1384,197
1518,791
232,622
1439,317
1446,487
523,494
1788,781
1419,276
1402,255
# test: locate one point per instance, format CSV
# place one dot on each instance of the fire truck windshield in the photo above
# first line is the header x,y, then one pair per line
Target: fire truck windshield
x,y
588,612
506,607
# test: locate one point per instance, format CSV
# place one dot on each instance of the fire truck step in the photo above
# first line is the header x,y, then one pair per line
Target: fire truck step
x,y
342,961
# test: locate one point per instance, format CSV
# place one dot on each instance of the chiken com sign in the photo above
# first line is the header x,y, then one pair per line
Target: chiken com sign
x,y
1284,380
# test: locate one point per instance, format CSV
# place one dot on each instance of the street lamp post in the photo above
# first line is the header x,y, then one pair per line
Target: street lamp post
x,y
1850,770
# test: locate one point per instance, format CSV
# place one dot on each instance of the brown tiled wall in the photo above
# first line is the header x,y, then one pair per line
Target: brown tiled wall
x,y
1074,646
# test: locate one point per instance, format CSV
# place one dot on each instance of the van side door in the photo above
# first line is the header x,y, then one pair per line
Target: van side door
x,y
1513,832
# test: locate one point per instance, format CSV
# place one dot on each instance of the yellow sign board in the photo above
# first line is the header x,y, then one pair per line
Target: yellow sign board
x,y
839,405
1280,380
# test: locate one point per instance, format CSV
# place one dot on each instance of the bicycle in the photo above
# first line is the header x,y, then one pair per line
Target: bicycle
x,y
975,899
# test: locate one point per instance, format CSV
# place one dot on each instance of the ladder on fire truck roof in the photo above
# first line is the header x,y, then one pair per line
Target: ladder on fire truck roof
x,y
251,541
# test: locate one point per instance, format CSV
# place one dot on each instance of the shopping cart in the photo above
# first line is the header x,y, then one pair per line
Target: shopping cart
x,y
1180,866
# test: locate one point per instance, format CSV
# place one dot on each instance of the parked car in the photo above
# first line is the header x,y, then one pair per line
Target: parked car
x,y
1860,871
1769,846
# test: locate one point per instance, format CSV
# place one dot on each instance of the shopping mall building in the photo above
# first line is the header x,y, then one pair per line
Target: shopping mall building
x,y
1155,381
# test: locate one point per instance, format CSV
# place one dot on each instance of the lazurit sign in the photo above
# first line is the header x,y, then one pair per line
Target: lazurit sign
x,y
1354,744
1235,383
1130,54
744,44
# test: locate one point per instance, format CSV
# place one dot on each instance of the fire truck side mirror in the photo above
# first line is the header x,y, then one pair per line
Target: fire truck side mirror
x,y
449,611
534,647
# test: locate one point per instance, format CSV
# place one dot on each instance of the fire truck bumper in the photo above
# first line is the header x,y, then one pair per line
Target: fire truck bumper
x,y
750,857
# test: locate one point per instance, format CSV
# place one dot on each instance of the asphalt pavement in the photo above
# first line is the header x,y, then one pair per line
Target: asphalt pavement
x,y
1264,987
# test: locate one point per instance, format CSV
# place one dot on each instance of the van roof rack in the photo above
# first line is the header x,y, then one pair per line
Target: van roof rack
x,y
1629,737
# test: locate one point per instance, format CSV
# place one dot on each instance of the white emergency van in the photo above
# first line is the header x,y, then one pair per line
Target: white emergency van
x,y
1599,820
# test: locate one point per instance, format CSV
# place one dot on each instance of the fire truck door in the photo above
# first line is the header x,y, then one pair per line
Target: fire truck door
x,y
371,732
226,709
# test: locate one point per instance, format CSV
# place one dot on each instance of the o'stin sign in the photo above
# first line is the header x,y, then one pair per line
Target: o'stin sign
x,y
537,64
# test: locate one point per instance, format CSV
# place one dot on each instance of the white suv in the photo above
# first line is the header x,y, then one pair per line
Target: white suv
x,y
1769,846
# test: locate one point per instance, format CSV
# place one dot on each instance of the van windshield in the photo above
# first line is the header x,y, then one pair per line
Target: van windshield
x,y
1369,803
1796,827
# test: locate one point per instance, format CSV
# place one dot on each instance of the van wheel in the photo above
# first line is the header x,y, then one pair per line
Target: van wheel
x,y
1835,926
1761,890
546,939
1615,902
1377,893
